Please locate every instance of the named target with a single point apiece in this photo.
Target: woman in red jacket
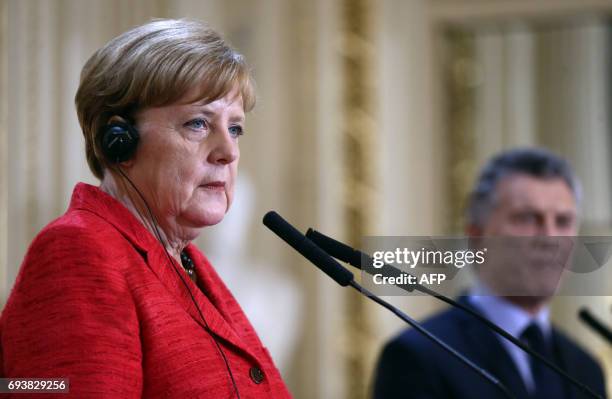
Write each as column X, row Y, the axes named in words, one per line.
column 112, row 295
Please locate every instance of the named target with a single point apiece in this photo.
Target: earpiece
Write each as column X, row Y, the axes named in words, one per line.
column 119, row 141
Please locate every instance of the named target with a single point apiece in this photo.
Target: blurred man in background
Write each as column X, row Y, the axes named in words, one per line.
column 528, row 193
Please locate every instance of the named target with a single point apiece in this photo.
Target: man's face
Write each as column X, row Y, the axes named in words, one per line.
column 528, row 206
column 526, row 234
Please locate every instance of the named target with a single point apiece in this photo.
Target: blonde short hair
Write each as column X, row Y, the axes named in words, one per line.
column 155, row 64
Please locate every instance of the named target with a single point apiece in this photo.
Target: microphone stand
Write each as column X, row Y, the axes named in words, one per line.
column 354, row 257
column 344, row 277
column 414, row 324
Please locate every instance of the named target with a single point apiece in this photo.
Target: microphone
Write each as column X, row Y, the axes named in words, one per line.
column 342, row 276
column 307, row 248
column 590, row 320
column 354, row 257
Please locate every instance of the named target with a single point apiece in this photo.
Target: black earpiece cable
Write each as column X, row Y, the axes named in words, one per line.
column 159, row 238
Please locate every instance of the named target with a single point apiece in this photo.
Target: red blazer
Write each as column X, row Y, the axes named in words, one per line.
column 97, row 301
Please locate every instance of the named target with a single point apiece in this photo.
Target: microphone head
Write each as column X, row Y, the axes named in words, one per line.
column 584, row 313
column 307, row 248
column 335, row 248
column 594, row 323
column 269, row 217
column 283, row 229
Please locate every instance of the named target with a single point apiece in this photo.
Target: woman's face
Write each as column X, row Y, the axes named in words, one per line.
column 187, row 159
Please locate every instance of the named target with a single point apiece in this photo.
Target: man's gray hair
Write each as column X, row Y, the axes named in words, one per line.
column 535, row 162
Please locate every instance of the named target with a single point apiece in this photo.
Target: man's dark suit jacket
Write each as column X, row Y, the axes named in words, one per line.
column 413, row 367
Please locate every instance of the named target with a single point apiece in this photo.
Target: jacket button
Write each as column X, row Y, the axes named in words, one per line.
column 256, row 375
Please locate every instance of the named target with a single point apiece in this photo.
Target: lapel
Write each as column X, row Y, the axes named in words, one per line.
column 564, row 359
column 489, row 352
column 182, row 288
column 92, row 199
column 223, row 302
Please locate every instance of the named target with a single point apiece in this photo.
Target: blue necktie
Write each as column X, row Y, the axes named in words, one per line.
column 548, row 385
